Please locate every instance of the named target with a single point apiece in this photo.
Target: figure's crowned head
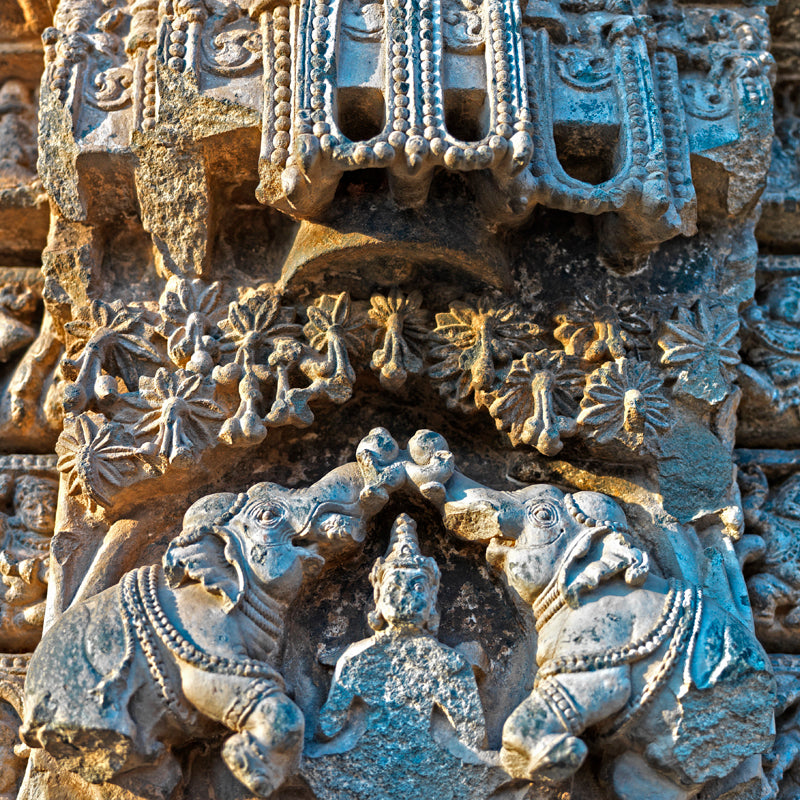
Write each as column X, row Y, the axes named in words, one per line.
column 35, row 499
column 405, row 583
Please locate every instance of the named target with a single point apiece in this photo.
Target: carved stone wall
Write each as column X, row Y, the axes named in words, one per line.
column 399, row 398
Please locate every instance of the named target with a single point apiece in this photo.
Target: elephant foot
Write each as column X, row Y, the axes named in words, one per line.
column 253, row 764
column 554, row 757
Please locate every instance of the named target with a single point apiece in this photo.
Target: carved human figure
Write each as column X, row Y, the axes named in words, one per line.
column 11, row 765
column 674, row 689
column 177, row 650
column 24, row 560
column 770, row 551
column 774, row 346
column 12, row 751
column 405, row 621
column 382, row 723
column 17, row 306
column 17, row 135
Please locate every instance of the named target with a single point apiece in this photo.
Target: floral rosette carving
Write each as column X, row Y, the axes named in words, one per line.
column 106, row 337
column 603, row 331
column 189, row 321
column 473, row 343
column 335, row 327
column 536, row 404
column 98, row 458
column 701, row 350
column 401, row 332
column 262, row 365
column 182, row 415
column 623, row 402
column 251, row 327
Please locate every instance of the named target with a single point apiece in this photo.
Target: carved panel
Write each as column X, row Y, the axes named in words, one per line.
column 520, row 236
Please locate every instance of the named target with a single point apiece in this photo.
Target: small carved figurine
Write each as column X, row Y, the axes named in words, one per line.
column 772, row 372
column 24, row 560
column 13, row 755
column 17, row 135
column 403, row 712
column 17, row 306
column 676, row 690
column 770, row 551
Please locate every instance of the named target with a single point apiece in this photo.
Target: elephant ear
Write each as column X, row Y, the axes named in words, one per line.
column 206, row 552
column 582, row 572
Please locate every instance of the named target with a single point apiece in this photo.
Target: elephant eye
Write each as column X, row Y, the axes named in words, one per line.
column 269, row 514
column 544, row 514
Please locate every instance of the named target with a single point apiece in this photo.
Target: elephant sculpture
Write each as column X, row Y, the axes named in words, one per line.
column 673, row 689
column 183, row 650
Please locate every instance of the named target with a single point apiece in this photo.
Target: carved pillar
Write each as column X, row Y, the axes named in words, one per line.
column 419, row 377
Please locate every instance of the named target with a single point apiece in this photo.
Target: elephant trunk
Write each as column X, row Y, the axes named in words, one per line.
column 475, row 513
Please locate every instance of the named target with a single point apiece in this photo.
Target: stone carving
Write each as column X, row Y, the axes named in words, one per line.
column 772, row 376
column 587, row 110
column 780, row 764
column 783, row 180
column 12, row 752
column 30, row 411
column 623, row 402
column 160, row 680
column 533, row 225
column 476, row 342
column 18, row 303
column 387, row 690
column 668, row 651
column 24, row 561
column 17, row 135
column 25, row 535
column 769, row 551
column 601, row 331
column 96, row 456
column 238, row 566
column 725, row 64
column 300, row 171
column 400, row 333
column 230, row 378
column 700, row 351
column 537, row 400
column 104, row 337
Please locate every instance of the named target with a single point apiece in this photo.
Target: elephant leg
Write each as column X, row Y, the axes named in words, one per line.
column 784, row 755
column 540, row 738
column 266, row 751
column 268, row 727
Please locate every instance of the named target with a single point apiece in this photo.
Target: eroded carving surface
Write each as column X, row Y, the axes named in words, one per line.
column 561, row 233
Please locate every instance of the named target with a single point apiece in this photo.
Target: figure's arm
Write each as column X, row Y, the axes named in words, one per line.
column 333, row 715
column 461, row 703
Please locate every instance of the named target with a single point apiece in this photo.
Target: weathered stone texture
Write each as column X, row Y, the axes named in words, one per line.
column 399, row 398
